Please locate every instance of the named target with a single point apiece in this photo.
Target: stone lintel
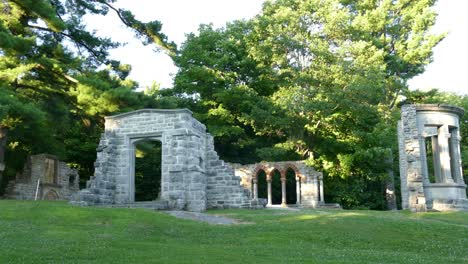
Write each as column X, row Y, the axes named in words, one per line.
column 446, row 185
column 148, row 110
column 440, row 108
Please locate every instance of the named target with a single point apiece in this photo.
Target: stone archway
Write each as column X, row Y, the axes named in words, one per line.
column 51, row 195
column 276, row 178
column 192, row 175
column 308, row 182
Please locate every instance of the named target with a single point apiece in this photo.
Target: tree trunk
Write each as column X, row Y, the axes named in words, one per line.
column 3, row 141
column 390, row 185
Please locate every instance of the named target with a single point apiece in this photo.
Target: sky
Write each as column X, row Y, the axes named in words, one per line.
column 447, row 72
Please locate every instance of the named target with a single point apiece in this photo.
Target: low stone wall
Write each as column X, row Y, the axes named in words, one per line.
column 57, row 181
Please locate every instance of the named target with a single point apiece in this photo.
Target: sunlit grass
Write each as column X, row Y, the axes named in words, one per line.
column 55, row 232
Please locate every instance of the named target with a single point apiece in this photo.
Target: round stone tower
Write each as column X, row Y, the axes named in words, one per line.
column 430, row 161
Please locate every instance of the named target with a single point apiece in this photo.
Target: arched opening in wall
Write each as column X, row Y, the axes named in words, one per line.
column 262, row 184
column 147, row 170
column 275, row 187
column 51, row 195
column 291, row 193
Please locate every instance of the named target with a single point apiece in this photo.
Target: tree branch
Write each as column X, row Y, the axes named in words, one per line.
column 79, row 43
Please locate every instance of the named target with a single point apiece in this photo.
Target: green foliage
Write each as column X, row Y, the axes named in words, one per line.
column 307, row 79
column 53, row 90
column 148, row 170
column 44, row 232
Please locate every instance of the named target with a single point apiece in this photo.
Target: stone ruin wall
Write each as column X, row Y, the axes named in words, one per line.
column 57, row 180
column 440, row 125
column 192, row 178
column 310, row 187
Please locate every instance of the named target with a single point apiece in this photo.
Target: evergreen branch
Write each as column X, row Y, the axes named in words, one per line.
column 79, row 43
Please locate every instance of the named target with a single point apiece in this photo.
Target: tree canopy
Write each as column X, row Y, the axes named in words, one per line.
column 305, row 79
column 316, row 80
column 53, row 89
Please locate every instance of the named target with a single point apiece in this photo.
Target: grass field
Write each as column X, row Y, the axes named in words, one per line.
column 55, row 232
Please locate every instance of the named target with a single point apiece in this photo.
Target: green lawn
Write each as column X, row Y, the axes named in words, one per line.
column 55, row 232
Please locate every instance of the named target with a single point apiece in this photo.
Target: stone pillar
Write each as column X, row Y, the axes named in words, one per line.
column 316, row 188
column 414, row 170
column 444, row 154
column 269, row 190
column 322, row 196
column 255, row 189
column 403, row 167
column 456, row 162
column 436, row 159
column 298, row 190
column 283, row 189
column 423, row 158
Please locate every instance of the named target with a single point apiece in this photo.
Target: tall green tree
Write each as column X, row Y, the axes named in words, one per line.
column 229, row 91
column 49, row 62
column 332, row 73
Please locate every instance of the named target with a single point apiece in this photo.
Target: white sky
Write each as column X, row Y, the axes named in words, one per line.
column 448, row 71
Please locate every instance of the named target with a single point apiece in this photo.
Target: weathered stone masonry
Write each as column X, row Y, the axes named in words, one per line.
column 46, row 177
column 192, row 178
column 438, row 124
column 309, row 182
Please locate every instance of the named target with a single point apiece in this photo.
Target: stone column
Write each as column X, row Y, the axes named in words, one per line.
column 414, row 167
column 423, row 157
column 456, row 157
column 255, row 189
column 322, row 199
column 269, row 189
column 444, row 154
column 436, row 158
column 316, row 187
column 283, row 189
column 403, row 166
column 298, row 190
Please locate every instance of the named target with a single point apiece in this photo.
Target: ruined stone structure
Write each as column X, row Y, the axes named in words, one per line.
column 308, row 183
column 436, row 183
column 44, row 177
column 192, row 178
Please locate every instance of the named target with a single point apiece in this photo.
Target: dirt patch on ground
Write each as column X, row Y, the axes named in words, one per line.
column 202, row 217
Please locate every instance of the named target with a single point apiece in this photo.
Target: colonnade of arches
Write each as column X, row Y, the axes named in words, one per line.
column 280, row 185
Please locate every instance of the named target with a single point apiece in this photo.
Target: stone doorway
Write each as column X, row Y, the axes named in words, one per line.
column 147, row 170
column 192, row 175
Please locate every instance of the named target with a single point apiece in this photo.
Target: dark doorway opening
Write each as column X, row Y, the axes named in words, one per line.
column 431, row 158
column 291, row 193
column 262, row 185
column 147, row 170
column 276, row 187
